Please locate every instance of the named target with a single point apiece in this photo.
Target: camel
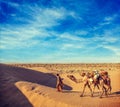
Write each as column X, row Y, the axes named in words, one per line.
column 101, row 80
column 87, row 82
column 105, row 83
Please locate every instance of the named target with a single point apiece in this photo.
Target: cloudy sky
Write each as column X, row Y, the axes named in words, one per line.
column 59, row 31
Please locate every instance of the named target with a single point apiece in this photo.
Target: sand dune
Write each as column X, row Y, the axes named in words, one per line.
column 35, row 87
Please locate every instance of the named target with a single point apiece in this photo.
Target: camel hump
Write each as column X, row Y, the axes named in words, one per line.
column 104, row 73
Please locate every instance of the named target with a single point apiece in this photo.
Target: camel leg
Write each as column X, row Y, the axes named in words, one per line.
column 109, row 90
column 103, row 90
column 102, row 93
column 110, row 86
column 98, row 88
column 90, row 90
column 83, row 90
column 106, row 94
column 96, row 84
column 93, row 89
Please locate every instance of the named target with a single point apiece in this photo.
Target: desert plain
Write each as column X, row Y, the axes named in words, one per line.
column 34, row 85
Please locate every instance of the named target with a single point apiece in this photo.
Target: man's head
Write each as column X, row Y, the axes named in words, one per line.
column 57, row 74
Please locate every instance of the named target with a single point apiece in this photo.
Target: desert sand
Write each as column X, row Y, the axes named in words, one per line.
column 33, row 85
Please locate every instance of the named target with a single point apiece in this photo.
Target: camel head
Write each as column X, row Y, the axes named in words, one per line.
column 83, row 74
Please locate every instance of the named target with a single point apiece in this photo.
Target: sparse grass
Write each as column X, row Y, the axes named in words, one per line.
column 70, row 68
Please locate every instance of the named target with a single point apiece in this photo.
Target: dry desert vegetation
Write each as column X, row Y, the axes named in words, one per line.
column 34, row 85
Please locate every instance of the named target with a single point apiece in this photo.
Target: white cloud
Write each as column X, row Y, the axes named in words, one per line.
column 11, row 42
column 114, row 49
column 108, row 36
column 75, row 15
column 69, row 36
column 22, row 36
column 71, row 46
column 38, row 21
column 47, row 17
column 108, row 20
column 18, row 37
column 104, row 39
column 13, row 4
column 81, row 32
column 73, row 41
column 37, row 26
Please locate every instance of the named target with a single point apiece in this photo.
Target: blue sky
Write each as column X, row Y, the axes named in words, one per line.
column 59, row 31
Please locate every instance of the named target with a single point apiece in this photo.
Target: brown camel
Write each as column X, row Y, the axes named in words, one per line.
column 105, row 83
column 87, row 82
column 99, row 80
column 86, row 79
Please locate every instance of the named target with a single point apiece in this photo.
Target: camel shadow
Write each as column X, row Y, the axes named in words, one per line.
column 117, row 92
column 113, row 94
column 66, row 91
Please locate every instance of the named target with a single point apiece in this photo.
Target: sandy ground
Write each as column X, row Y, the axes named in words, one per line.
column 35, row 87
